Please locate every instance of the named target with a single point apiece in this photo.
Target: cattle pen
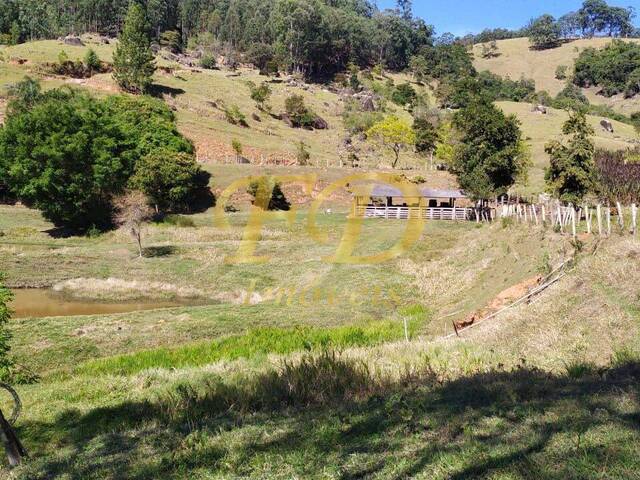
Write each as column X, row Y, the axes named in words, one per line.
column 381, row 201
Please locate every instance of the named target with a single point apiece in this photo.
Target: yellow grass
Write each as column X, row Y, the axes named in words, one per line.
column 517, row 59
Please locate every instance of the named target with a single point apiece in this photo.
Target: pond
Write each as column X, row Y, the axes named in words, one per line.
column 36, row 302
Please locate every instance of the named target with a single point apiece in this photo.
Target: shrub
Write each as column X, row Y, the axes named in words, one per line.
column 571, row 97
column 260, row 188
column 179, row 221
column 260, row 94
column 404, row 95
column 234, row 116
column 298, row 113
column 618, row 180
column 561, row 72
column 171, row 180
column 302, row 154
column 357, row 121
column 92, row 62
column 208, row 62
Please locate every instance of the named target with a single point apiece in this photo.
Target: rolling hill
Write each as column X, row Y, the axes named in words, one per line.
column 517, row 59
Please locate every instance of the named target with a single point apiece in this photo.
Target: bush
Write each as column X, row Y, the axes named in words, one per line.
column 171, row 180
column 618, row 180
column 234, row 116
column 404, row 95
column 261, row 187
column 561, row 72
column 357, row 121
column 298, row 113
column 172, row 40
column 571, row 97
column 208, row 62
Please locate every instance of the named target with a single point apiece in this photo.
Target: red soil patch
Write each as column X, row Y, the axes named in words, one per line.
column 504, row 298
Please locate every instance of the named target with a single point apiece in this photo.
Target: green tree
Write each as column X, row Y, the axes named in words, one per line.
column 570, row 175
column 490, row 155
column 544, row 32
column 260, row 94
column 260, row 189
column 15, row 34
column 302, row 154
column 92, row 62
column 133, row 60
column 68, row 154
column 172, row 180
column 64, row 156
column 394, row 134
column 298, row 112
column 237, row 148
column 426, row 136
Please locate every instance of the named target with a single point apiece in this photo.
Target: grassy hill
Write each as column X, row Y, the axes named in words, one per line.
column 539, row 129
column 199, row 97
column 518, row 59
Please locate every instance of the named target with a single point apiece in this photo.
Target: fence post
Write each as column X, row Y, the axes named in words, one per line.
column 588, row 218
column 573, row 222
column 620, row 215
column 608, row 221
column 599, row 214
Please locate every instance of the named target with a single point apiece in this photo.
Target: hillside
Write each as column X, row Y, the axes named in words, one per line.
column 539, row 129
column 518, row 59
column 199, row 97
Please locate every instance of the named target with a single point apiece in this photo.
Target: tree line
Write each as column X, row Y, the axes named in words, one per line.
column 314, row 37
column 595, row 17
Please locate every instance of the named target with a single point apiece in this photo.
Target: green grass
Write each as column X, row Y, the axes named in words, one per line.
column 255, row 343
column 330, row 417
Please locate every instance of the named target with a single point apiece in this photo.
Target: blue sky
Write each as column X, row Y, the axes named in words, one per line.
column 471, row 16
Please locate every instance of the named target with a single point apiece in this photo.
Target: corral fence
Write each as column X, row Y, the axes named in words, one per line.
column 599, row 219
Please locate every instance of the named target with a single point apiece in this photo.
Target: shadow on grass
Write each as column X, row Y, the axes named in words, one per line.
column 161, row 251
column 502, row 424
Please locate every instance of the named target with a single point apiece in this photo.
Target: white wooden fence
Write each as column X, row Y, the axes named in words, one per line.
column 433, row 213
column 597, row 220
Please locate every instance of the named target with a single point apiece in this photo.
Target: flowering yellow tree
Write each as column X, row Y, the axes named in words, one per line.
column 393, row 133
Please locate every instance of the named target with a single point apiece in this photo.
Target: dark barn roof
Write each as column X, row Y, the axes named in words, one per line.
column 387, row 191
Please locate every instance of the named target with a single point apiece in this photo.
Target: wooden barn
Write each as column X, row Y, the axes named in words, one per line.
column 382, row 201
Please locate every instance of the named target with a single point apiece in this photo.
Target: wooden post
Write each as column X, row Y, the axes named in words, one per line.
column 609, row 221
column 620, row 215
column 634, row 217
column 573, row 222
column 599, row 215
column 535, row 214
column 588, row 218
column 544, row 215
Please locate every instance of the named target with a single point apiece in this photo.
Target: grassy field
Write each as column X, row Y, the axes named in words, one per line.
column 299, row 368
column 538, row 130
column 517, row 59
column 230, row 390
